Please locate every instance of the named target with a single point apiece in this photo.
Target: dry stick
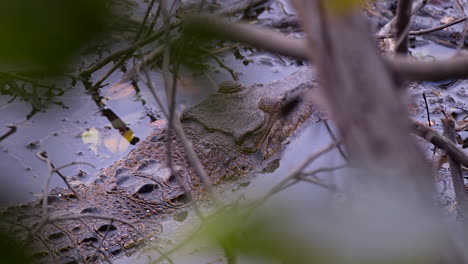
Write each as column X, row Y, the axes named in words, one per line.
column 98, row 65
column 332, row 135
column 429, row 30
column 295, row 173
column 257, row 36
column 456, row 172
column 417, row 5
column 121, row 61
column 102, row 240
column 222, row 65
column 402, row 25
column 440, row 141
column 324, row 169
column 145, row 19
column 12, row 128
column 427, row 110
column 43, row 156
column 310, row 176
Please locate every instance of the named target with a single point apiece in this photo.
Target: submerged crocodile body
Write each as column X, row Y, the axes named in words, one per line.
column 234, row 133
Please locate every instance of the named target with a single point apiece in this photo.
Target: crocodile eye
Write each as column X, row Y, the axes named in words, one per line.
column 172, row 179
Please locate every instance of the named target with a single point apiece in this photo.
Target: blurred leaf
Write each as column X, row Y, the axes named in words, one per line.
column 44, row 34
column 11, row 252
column 260, row 238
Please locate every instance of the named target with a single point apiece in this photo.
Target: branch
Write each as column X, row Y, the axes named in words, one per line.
column 414, row 70
column 414, row 9
column 402, row 25
column 259, row 37
column 273, row 41
column 440, row 141
column 456, row 172
column 429, row 30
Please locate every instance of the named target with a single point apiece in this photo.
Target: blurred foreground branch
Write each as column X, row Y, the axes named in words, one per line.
column 270, row 40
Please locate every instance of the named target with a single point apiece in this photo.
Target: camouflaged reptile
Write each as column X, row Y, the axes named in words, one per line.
column 235, row 132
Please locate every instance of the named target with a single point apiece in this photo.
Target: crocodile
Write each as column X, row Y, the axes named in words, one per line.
column 235, row 133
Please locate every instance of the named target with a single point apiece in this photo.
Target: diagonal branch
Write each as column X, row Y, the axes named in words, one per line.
column 440, row 141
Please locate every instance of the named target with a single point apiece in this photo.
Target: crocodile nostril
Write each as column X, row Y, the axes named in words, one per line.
column 106, row 227
column 147, row 188
column 182, row 198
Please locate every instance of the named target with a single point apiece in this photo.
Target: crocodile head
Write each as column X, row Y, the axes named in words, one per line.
column 240, row 126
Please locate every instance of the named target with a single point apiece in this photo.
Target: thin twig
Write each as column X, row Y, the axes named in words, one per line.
column 44, row 215
column 98, row 65
column 332, row 135
column 427, row 110
column 324, row 169
column 102, row 240
column 295, row 173
column 428, row 30
column 222, row 65
column 145, row 19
